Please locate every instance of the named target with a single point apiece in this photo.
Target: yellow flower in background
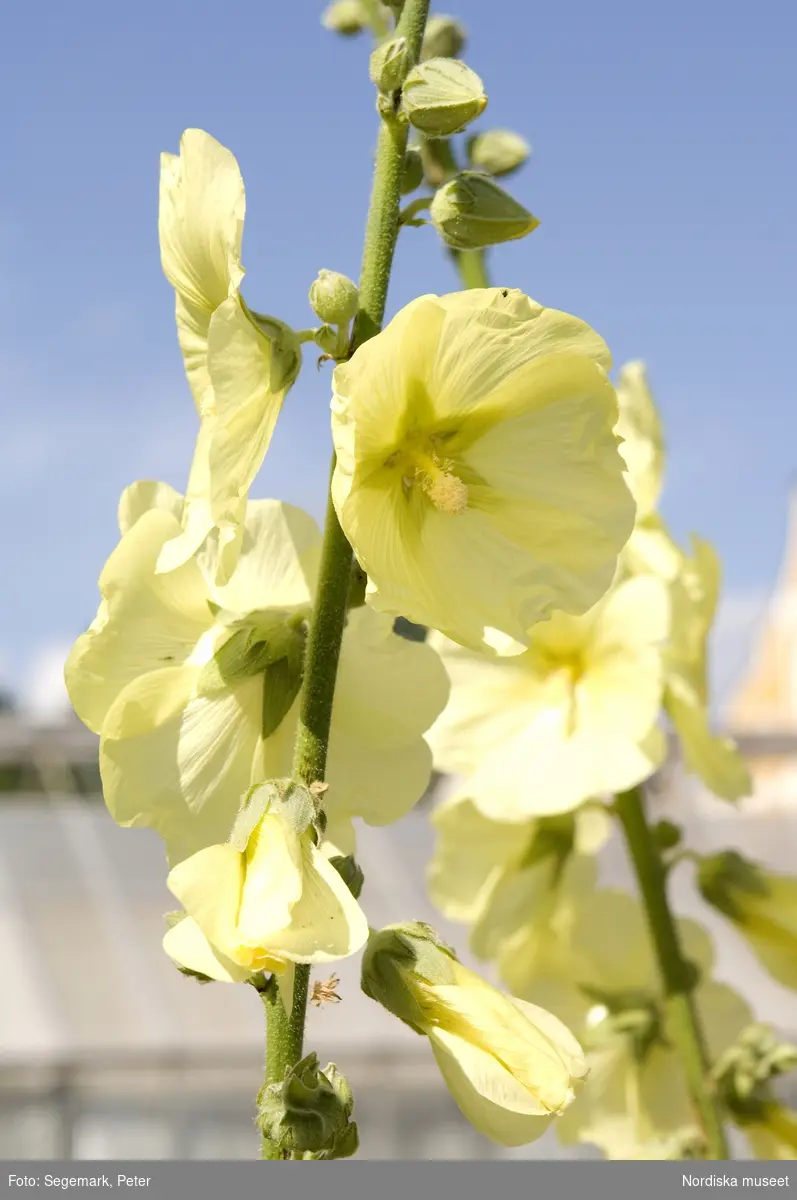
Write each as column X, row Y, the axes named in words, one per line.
column 642, row 445
column 510, row 1066
column 261, row 905
column 478, row 478
column 760, row 904
column 194, row 688
column 239, row 365
column 493, row 874
column 605, row 985
column 571, row 718
column 773, row 1136
column 694, row 599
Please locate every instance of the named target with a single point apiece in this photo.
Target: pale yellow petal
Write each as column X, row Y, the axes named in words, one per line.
column 715, row 759
column 486, row 1094
column 187, row 945
column 144, row 623
column 326, row 922
column 471, row 853
column 209, row 886
column 143, row 495
column 279, row 557
column 643, row 441
column 273, row 882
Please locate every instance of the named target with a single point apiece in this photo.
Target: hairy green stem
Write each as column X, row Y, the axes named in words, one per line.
column 285, row 1040
column 677, row 974
column 286, row 1036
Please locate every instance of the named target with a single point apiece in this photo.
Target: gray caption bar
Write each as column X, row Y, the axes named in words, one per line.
column 395, row 1180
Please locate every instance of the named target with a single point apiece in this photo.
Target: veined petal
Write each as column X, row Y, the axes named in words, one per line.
column 490, row 702
column 273, row 882
column 178, row 761
column 247, row 403
column 326, row 923
column 386, row 371
column 279, row 560
column 489, row 336
column 216, row 548
column 145, row 621
column 209, row 885
column 485, row 1092
column 200, row 220
column 187, row 945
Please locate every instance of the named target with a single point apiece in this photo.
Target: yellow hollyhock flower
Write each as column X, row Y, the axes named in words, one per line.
column 239, row 365
column 605, row 985
column 478, row 477
column 261, row 905
column 761, row 905
column 193, row 688
column 571, row 718
column 490, row 874
column 510, row 1066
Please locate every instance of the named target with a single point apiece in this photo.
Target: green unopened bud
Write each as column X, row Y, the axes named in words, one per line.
column 347, row 17
column 412, row 175
column 334, row 297
column 400, row 956
column 471, row 211
column 444, row 37
column 350, row 873
column 440, row 97
column 388, row 65
column 498, row 151
column 308, row 1114
column 327, row 339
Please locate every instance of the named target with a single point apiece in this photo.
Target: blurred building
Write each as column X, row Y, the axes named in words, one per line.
column 107, row 1051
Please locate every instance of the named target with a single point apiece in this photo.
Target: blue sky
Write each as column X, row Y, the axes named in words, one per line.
column 663, row 175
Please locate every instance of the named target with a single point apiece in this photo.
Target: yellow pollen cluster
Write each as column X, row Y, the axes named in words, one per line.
column 446, row 490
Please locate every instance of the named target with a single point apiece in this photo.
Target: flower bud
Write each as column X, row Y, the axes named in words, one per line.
column 761, row 905
column 350, row 873
column 307, row 1115
column 333, row 297
column 471, row 211
column 388, row 65
column 441, row 96
column 412, row 176
column 444, row 37
column 328, row 340
column 510, row 1066
column 498, row 151
column 346, row 17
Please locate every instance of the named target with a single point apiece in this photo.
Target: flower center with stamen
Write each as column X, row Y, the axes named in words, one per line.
column 436, row 478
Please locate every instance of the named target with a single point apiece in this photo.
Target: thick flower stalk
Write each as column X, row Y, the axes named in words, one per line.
column 477, row 476
column 239, row 364
column 510, row 1066
column 194, row 688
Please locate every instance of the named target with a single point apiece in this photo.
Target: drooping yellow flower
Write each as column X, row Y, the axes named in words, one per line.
column 194, row 688
column 239, row 365
column 510, row 1066
column 478, row 477
column 571, row 718
column 272, row 900
column 605, row 985
column 761, row 905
